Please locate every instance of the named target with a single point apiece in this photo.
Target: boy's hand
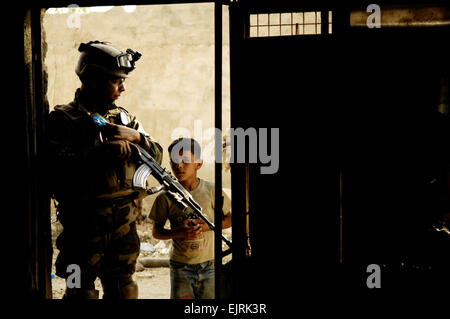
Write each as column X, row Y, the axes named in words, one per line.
column 202, row 224
column 191, row 230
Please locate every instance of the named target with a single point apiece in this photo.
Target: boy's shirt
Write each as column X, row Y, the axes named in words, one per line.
column 190, row 251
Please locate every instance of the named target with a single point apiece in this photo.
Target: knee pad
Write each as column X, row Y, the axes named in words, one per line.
column 130, row 291
column 80, row 294
column 114, row 288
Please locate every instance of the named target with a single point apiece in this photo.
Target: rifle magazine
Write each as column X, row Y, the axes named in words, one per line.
column 140, row 176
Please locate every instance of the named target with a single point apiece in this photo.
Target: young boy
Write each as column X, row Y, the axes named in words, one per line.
column 192, row 255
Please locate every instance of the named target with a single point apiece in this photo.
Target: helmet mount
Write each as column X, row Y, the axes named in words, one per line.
column 103, row 57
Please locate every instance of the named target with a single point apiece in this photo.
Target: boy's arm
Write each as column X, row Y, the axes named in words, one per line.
column 226, row 223
column 159, row 232
column 185, row 232
column 226, row 220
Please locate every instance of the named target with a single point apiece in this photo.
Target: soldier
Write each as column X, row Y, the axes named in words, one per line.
column 92, row 176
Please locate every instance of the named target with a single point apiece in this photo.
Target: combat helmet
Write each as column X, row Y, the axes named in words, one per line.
column 99, row 57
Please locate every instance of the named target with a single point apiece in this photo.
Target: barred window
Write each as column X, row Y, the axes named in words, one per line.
column 287, row 24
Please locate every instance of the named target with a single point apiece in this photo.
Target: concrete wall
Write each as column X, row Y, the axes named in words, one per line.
column 173, row 84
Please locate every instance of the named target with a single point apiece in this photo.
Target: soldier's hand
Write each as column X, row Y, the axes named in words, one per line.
column 122, row 132
column 122, row 149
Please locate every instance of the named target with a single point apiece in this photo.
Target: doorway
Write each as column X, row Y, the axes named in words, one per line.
column 171, row 92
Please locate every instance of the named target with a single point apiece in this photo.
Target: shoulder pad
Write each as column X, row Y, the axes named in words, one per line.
column 70, row 110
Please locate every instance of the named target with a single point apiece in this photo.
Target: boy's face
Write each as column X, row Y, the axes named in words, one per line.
column 184, row 166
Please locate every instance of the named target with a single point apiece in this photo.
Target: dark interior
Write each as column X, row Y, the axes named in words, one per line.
column 358, row 120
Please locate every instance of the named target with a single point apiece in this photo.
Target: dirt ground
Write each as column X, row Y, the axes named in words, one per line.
column 154, row 283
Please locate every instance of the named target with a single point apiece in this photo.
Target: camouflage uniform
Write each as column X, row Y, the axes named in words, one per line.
column 96, row 202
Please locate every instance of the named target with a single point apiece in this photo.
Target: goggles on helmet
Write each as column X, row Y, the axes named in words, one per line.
column 126, row 60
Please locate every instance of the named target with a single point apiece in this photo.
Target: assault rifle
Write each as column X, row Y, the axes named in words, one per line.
column 147, row 166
